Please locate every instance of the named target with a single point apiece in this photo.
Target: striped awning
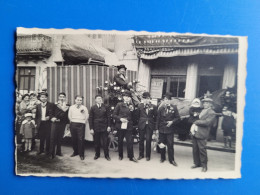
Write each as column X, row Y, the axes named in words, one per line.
column 154, row 46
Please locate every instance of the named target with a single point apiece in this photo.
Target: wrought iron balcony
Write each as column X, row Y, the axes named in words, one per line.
column 36, row 45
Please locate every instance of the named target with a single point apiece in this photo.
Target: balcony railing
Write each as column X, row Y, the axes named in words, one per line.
column 34, row 45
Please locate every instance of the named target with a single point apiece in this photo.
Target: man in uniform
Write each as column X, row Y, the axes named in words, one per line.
column 99, row 123
column 123, row 115
column 200, row 134
column 167, row 117
column 146, row 116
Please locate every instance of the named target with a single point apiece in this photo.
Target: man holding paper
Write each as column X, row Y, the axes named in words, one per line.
column 123, row 115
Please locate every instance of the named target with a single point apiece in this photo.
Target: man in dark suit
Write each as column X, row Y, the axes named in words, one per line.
column 44, row 112
column 146, row 116
column 167, row 117
column 200, row 131
column 121, row 79
column 99, row 123
column 123, row 115
column 59, row 121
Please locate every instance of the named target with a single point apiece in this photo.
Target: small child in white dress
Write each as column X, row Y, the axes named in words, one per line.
column 28, row 131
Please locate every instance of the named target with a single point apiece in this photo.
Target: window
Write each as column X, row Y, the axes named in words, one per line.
column 174, row 84
column 177, row 86
column 26, row 79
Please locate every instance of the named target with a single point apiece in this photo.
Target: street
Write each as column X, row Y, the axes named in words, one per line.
column 31, row 163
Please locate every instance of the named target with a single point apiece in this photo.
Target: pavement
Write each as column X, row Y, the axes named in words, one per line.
column 220, row 163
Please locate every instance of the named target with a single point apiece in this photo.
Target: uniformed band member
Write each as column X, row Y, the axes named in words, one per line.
column 43, row 125
column 146, row 116
column 124, row 125
column 59, row 121
column 100, row 125
column 78, row 115
column 201, row 133
column 167, row 117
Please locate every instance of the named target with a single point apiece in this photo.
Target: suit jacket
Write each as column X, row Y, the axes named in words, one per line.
column 121, row 82
column 143, row 117
column 38, row 116
column 163, row 117
column 204, row 123
column 122, row 111
column 99, row 118
column 60, row 114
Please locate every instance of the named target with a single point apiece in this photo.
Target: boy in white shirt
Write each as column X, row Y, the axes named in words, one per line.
column 78, row 116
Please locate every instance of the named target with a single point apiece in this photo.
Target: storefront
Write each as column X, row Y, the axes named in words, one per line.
column 187, row 66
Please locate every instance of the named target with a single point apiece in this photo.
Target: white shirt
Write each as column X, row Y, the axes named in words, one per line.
column 78, row 115
column 43, row 107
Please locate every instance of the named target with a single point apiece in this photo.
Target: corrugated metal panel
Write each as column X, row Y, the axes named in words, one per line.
column 81, row 80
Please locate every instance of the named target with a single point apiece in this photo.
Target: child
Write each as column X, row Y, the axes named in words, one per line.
column 28, row 131
column 194, row 111
column 228, row 126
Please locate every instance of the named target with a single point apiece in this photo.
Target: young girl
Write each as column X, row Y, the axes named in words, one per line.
column 28, row 131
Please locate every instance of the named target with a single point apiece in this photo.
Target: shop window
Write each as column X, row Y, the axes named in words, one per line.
column 174, row 84
column 26, row 79
column 177, row 86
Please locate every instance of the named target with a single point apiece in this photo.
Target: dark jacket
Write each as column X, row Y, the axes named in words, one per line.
column 121, row 82
column 163, row 118
column 38, row 115
column 99, row 118
column 60, row 114
column 122, row 111
column 204, row 123
column 143, row 117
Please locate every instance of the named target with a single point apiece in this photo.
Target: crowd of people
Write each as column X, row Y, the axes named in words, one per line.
column 46, row 121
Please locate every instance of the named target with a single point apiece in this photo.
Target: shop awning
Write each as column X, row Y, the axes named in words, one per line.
column 154, row 46
column 80, row 49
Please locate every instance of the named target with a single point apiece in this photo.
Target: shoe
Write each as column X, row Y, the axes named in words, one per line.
column 195, row 166
column 82, row 158
column 162, row 160
column 204, row 169
column 59, row 154
column 147, row 158
column 120, row 158
column 174, row 163
column 51, row 157
column 133, row 159
column 108, row 158
column 96, row 157
column 140, row 157
column 73, row 155
column 39, row 153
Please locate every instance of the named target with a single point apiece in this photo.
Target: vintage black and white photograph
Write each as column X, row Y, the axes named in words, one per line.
column 127, row 104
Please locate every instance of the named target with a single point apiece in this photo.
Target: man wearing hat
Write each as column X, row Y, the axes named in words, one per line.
column 123, row 115
column 199, row 139
column 121, row 79
column 167, row 117
column 43, row 114
column 146, row 116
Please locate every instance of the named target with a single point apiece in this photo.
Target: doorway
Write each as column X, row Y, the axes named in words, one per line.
column 209, row 83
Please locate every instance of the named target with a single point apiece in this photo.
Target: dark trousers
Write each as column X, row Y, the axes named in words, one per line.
column 77, row 131
column 57, row 133
column 129, row 142
column 167, row 139
column 44, row 135
column 199, row 152
column 98, row 138
column 145, row 134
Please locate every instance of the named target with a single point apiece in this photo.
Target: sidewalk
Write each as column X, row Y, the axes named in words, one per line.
column 211, row 145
